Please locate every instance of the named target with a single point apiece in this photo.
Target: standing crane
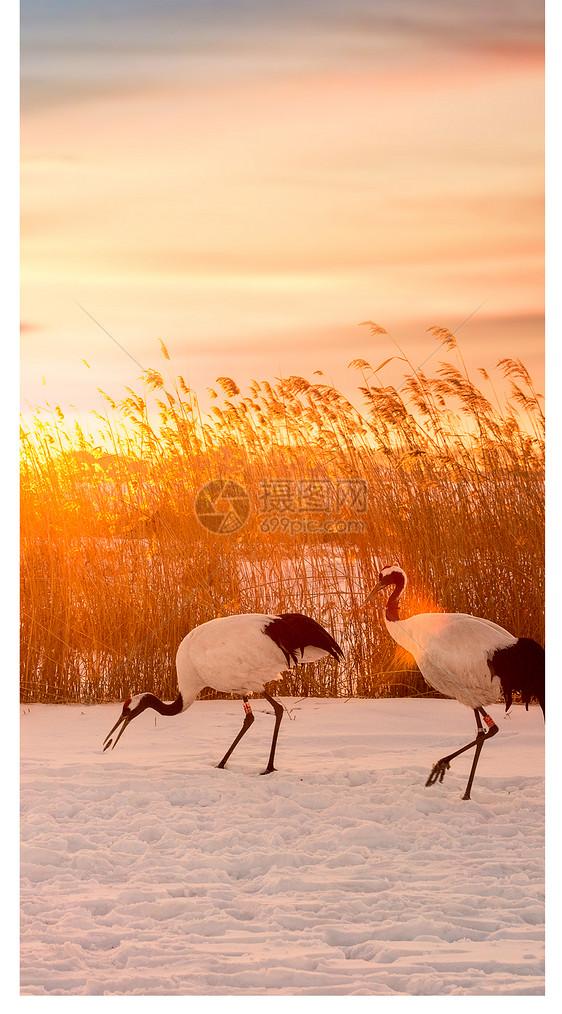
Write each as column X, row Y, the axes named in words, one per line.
column 466, row 657
column 239, row 655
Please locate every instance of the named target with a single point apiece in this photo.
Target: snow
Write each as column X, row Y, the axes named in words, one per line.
column 147, row 871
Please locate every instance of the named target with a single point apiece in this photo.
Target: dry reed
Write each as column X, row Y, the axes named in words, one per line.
column 116, row 568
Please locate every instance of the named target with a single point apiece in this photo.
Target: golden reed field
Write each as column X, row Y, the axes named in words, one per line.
column 284, row 498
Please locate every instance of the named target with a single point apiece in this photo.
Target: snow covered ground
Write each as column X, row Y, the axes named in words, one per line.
column 146, row 871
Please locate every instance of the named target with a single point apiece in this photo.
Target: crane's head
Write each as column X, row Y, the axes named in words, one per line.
column 132, row 707
column 389, row 576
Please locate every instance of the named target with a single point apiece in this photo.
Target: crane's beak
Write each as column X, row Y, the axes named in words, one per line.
column 371, row 595
column 125, row 719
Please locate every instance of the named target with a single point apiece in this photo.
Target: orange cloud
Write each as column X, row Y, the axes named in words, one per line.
column 230, row 211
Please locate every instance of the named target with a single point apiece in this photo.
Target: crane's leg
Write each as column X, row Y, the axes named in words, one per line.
column 278, row 716
column 248, row 719
column 480, row 737
column 439, row 769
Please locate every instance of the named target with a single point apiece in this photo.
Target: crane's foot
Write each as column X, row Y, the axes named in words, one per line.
column 438, row 770
column 268, row 771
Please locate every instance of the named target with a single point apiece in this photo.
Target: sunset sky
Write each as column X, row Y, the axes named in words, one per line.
column 249, row 179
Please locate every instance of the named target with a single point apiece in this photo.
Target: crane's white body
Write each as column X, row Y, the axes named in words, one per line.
column 466, row 657
column 452, row 652
column 239, row 655
column 234, row 655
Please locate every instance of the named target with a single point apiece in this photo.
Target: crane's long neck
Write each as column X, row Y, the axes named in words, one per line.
column 174, row 708
column 392, row 605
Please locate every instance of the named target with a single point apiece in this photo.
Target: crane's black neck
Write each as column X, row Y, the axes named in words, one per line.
column 150, row 701
column 392, row 605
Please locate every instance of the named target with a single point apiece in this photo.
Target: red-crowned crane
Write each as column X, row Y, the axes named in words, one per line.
column 465, row 657
column 239, row 655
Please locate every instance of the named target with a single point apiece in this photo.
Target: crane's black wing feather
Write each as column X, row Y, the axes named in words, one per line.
column 293, row 632
column 521, row 667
